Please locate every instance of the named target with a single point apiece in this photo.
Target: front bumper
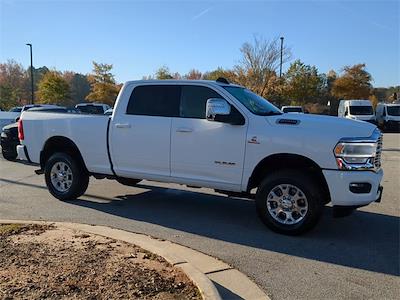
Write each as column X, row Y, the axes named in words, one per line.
column 339, row 187
column 392, row 125
column 22, row 153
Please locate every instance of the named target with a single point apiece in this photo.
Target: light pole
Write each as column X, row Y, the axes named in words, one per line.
column 33, row 93
column 280, row 67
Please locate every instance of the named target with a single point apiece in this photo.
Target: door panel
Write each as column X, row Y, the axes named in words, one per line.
column 141, row 137
column 141, row 144
column 207, row 151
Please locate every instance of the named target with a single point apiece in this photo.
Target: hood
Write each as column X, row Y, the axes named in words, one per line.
column 329, row 125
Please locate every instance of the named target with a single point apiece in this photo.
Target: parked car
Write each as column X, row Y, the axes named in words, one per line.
column 9, row 134
column 388, row 116
column 292, row 109
column 92, row 108
column 16, row 109
column 108, row 112
column 12, row 116
column 217, row 135
column 357, row 110
column 9, row 141
column 7, row 117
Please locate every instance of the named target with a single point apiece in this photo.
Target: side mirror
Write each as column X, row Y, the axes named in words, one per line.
column 217, row 107
column 16, row 119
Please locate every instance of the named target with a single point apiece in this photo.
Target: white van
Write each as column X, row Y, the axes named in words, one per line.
column 357, row 110
column 388, row 115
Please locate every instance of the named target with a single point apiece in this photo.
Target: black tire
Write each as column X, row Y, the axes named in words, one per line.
column 307, row 185
column 9, row 155
column 80, row 178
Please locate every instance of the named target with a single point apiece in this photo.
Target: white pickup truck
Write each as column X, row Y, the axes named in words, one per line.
column 217, row 135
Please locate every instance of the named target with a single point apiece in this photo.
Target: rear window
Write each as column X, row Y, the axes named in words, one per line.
column 361, row 110
column 91, row 109
column 155, row 100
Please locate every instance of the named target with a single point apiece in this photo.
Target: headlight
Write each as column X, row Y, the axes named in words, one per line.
column 355, row 156
column 3, row 134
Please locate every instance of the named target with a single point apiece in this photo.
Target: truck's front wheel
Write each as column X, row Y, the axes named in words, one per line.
column 65, row 177
column 289, row 202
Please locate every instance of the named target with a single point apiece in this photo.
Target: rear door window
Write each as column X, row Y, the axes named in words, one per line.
column 155, row 100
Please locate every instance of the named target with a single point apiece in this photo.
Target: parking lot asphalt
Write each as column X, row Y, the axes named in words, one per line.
column 355, row 257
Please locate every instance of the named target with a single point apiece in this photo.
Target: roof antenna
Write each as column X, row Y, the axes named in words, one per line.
column 222, row 80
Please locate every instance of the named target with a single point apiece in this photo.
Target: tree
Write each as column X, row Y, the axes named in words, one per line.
column 388, row 94
column 220, row 72
column 79, row 86
column 354, row 83
column 103, row 87
column 193, row 74
column 53, row 89
column 163, row 73
column 304, row 84
column 38, row 74
column 260, row 61
column 374, row 100
column 14, row 84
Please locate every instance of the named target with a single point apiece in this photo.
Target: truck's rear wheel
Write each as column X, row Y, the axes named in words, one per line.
column 289, row 202
column 65, row 177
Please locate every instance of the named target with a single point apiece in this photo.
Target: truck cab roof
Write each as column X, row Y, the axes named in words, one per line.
column 182, row 81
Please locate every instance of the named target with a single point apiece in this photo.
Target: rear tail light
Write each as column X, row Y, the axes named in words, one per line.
column 20, row 130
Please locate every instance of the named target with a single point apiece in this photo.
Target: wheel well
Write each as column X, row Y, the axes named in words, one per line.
column 60, row 144
column 276, row 162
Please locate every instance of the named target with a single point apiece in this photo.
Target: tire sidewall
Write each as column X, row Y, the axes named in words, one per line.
column 77, row 174
column 9, row 155
column 306, row 185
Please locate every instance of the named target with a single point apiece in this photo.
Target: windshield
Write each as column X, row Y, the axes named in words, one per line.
column 393, row 110
column 254, row 103
column 361, row 110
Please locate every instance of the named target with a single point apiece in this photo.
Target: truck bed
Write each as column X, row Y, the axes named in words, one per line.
column 88, row 132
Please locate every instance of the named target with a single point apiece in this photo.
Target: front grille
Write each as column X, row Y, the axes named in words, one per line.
column 377, row 160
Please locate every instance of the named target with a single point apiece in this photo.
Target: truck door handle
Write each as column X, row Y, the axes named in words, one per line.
column 123, row 125
column 183, row 129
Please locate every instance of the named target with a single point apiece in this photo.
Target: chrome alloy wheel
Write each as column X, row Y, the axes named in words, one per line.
column 61, row 176
column 287, row 204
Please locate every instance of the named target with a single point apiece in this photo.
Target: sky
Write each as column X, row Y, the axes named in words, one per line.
column 138, row 37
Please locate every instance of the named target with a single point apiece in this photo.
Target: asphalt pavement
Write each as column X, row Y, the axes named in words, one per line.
column 355, row 257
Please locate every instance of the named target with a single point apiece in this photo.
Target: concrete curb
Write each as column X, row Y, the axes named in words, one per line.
column 205, row 271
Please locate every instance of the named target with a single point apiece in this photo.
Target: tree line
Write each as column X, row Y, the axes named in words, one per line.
column 257, row 70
